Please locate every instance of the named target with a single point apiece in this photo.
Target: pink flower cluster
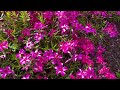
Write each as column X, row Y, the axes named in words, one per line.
column 111, row 29
column 3, row 45
column 57, row 44
column 4, row 72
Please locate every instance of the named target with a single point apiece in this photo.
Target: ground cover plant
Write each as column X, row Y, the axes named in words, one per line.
column 59, row 44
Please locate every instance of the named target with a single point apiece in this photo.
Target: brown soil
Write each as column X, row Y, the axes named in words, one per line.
column 112, row 53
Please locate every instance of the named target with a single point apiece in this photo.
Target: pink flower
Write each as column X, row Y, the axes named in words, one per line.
column 33, row 17
column 100, row 60
column 35, row 53
column 60, row 14
column 26, row 67
column 38, row 25
column 38, row 37
column 29, row 45
column 2, row 56
column 61, row 70
column 26, row 32
column 38, row 67
column 79, row 56
column 27, row 76
column 86, row 60
column 66, row 46
column 111, row 29
column 8, row 32
column 72, row 76
column 75, row 57
column 3, row 45
column 20, row 38
column 110, row 76
column 52, row 32
column 76, row 25
column 39, row 77
column 88, row 29
column 20, row 54
column 118, row 13
column 86, row 74
column 87, row 45
column 45, row 77
column 90, row 73
column 56, row 58
column 104, row 70
column 22, row 51
column 25, row 59
column 100, row 50
column 80, row 74
column 48, row 54
column 5, row 71
column 64, row 28
column 48, row 16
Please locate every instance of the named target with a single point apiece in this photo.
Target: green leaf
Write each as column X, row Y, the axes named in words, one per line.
column 67, row 77
column 24, row 16
column 41, row 18
column 13, row 57
column 14, row 46
column 118, row 74
column 8, row 14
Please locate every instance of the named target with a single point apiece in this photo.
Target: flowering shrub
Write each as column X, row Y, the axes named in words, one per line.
column 56, row 44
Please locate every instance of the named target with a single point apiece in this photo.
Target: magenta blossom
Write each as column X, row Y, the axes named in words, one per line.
column 38, row 25
column 48, row 54
column 80, row 74
column 45, row 77
column 104, row 70
column 86, row 74
column 48, row 16
column 2, row 56
column 100, row 50
column 26, row 67
column 25, row 59
column 64, row 28
column 38, row 67
column 56, row 59
column 88, row 29
column 75, row 57
column 35, row 53
column 27, row 76
column 118, row 13
column 8, row 32
column 110, row 76
column 38, row 37
column 33, row 17
column 20, row 54
column 86, row 60
column 5, row 71
column 20, row 38
column 72, row 76
column 52, row 32
column 66, row 46
column 86, row 45
column 60, row 70
column 29, row 45
column 60, row 14
column 100, row 60
column 3, row 45
column 111, row 29
column 26, row 32
column 90, row 73
column 76, row 25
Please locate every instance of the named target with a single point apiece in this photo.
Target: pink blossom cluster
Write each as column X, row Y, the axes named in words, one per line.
column 59, row 44
column 3, row 45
